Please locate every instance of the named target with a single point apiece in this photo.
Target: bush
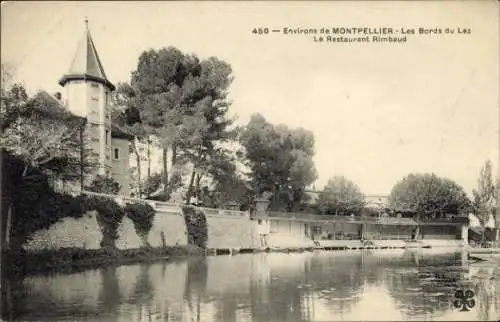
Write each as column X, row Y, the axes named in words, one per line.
column 103, row 184
column 196, row 224
column 142, row 215
column 109, row 217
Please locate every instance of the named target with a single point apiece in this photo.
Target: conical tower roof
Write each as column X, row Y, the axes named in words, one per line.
column 86, row 64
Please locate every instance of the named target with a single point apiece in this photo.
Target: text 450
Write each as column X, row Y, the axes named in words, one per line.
column 260, row 31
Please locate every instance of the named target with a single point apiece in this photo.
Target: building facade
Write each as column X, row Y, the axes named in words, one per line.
column 88, row 95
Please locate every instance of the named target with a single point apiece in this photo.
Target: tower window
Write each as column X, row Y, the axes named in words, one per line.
column 107, row 135
column 117, row 154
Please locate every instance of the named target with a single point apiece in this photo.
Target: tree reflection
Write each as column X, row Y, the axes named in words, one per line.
column 266, row 287
column 12, row 298
column 109, row 295
column 340, row 277
column 428, row 289
column 486, row 288
column 196, row 286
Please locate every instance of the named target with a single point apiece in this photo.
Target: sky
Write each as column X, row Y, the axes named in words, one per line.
column 378, row 110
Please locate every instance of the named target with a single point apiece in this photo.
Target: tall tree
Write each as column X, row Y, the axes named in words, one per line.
column 126, row 117
column 428, row 195
column 280, row 160
column 182, row 101
column 341, row 197
column 484, row 195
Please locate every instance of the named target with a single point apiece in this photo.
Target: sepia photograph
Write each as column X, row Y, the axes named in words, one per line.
column 250, row 161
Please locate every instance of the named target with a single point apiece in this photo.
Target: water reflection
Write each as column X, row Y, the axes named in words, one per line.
column 319, row 286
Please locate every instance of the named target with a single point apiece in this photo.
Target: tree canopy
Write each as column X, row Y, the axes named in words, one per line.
column 428, row 195
column 484, row 195
column 341, row 197
column 280, row 159
column 182, row 102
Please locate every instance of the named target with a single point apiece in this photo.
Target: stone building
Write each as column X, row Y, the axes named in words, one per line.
column 87, row 94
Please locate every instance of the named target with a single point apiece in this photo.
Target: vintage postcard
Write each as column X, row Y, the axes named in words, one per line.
column 252, row 161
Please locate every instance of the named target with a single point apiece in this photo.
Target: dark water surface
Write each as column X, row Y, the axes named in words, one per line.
column 318, row 286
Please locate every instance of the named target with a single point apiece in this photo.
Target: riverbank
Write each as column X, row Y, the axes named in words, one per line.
column 68, row 260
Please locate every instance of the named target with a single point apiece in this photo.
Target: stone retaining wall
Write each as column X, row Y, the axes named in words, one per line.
column 169, row 229
column 231, row 230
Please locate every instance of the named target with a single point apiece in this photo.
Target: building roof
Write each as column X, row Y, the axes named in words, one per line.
column 86, row 64
column 117, row 133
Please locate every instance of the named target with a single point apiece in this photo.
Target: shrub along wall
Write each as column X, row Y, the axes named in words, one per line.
column 196, row 225
column 105, row 212
column 140, row 226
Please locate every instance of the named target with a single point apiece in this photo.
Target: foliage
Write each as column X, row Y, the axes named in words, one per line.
column 428, row 195
column 69, row 260
column 36, row 206
column 152, row 184
column 196, row 224
column 44, row 135
column 228, row 184
column 341, row 197
column 484, row 196
column 109, row 217
column 281, row 160
column 104, row 184
column 142, row 215
column 182, row 102
column 126, row 117
column 33, row 203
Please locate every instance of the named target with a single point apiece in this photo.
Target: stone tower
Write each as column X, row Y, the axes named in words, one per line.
column 88, row 95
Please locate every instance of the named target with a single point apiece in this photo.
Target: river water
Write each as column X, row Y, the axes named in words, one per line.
column 313, row 286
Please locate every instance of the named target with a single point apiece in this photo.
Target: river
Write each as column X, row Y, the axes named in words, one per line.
column 312, row 286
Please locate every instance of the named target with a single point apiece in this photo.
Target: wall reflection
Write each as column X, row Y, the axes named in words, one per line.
column 264, row 287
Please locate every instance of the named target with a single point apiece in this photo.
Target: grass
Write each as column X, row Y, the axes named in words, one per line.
column 68, row 260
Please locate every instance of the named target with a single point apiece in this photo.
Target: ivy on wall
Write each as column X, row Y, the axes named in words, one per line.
column 196, row 225
column 142, row 215
column 109, row 217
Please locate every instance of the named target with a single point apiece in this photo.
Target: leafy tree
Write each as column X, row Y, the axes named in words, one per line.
column 181, row 101
column 104, row 184
column 484, row 196
column 29, row 203
column 341, row 197
column 428, row 195
column 8, row 72
column 280, row 160
column 46, row 141
column 228, row 187
column 47, row 137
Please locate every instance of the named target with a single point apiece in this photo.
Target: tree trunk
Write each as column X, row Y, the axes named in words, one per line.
column 149, row 157
column 7, row 239
column 138, row 161
column 173, row 172
column 190, row 187
column 6, row 223
column 174, row 154
column 144, row 240
column 165, row 174
column 198, row 182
